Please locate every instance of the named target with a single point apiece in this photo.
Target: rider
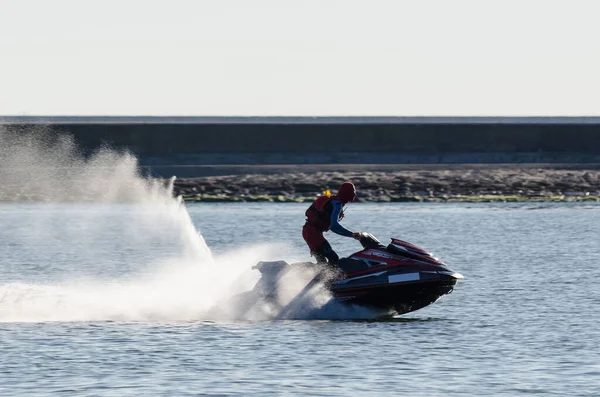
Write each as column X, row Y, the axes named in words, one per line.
column 324, row 214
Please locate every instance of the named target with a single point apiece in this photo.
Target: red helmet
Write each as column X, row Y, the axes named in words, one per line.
column 347, row 192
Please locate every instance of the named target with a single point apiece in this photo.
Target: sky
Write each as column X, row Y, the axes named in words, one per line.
column 300, row 58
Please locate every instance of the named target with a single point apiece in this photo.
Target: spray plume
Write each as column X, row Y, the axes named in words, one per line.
column 40, row 166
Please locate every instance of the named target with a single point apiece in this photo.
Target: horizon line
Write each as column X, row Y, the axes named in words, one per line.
column 299, row 119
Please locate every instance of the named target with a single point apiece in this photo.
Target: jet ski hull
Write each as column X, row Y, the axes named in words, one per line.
column 399, row 297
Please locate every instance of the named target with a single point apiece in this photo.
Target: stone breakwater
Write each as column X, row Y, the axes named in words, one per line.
column 476, row 185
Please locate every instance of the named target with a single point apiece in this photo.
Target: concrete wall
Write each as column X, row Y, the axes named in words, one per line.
column 276, row 143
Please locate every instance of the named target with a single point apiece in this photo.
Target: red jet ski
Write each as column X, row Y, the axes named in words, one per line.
column 399, row 278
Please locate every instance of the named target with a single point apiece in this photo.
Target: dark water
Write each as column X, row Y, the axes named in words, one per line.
column 110, row 300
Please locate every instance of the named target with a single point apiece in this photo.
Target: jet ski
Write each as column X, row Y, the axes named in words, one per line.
column 397, row 278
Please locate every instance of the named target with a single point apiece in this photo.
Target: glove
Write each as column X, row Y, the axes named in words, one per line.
column 357, row 235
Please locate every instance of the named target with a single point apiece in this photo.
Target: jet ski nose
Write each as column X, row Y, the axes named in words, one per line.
column 451, row 273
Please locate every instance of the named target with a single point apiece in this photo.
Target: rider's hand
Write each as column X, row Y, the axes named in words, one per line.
column 357, row 235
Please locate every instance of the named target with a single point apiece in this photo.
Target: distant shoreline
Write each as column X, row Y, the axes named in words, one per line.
column 375, row 183
column 510, row 184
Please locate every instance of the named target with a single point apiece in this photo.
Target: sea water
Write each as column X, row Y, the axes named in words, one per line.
column 115, row 308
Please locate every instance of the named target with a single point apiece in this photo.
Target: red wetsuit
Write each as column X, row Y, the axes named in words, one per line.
column 324, row 215
column 318, row 221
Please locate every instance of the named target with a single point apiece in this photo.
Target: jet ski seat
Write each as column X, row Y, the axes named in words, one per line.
column 349, row 265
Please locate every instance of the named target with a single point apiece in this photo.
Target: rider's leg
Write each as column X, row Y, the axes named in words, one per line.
column 325, row 254
column 319, row 246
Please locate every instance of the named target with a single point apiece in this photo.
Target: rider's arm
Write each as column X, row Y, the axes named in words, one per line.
column 335, row 224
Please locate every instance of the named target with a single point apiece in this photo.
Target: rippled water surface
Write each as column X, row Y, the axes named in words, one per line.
column 115, row 299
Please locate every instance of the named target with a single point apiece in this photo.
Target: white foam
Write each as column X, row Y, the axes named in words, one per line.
column 176, row 291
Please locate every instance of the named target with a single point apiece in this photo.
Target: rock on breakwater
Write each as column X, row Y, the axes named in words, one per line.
column 501, row 184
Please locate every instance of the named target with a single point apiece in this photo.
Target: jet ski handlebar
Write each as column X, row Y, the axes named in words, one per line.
column 367, row 240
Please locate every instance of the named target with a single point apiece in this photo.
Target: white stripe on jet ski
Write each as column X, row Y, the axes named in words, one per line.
column 395, row 278
column 344, row 281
